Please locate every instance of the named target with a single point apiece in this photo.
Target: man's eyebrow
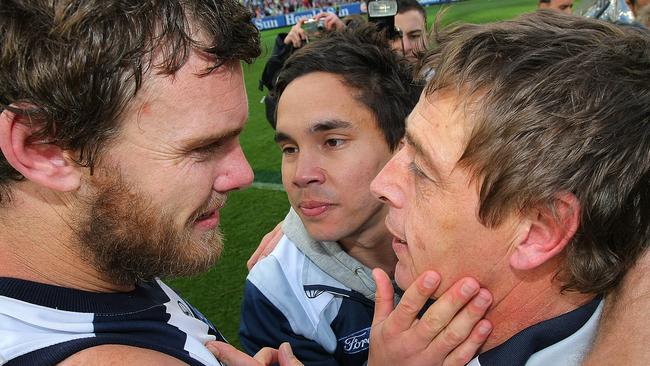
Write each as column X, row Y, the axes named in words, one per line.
column 424, row 156
column 282, row 137
column 411, row 140
column 211, row 139
column 327, row 125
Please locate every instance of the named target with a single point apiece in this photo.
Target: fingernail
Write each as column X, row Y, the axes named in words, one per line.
column 430, row 280
column 485, row 328
column 482, row 299
column 213, row 349
column 468, row 288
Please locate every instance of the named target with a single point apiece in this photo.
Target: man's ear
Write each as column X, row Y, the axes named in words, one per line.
column 548, row 232
column 41, row 162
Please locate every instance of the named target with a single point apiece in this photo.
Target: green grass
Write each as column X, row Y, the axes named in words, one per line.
column 253, row 212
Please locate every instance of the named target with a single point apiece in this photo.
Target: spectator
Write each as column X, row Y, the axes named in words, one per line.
column 564, row 6
column 411, row 21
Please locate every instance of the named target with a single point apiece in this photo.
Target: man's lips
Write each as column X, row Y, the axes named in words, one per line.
column 314, row 208
column 398, row 242
column 208, row 220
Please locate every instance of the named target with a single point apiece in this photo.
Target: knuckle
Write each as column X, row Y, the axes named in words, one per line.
column 434, row 322
column 409, row 307
column 452, row 337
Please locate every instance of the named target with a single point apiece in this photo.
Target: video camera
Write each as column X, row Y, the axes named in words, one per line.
column 382, row 12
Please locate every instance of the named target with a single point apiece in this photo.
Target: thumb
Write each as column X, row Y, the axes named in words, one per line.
column 228, row 354
column 286, row 356
column 384, row 298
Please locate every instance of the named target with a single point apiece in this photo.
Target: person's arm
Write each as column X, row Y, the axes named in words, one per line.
column 623, row 336
column 113, row 354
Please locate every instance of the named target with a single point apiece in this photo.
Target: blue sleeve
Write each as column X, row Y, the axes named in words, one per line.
column 263, row 325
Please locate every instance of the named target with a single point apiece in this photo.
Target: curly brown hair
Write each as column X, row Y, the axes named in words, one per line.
column 72, row 66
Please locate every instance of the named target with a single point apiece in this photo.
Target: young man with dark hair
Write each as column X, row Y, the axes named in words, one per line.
column 525, row 166
column 341, row 106
column 119, row 137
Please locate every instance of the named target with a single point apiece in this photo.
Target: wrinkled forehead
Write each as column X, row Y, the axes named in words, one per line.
column 440, row 124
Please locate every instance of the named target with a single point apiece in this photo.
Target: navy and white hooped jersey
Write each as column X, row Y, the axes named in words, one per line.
column 287, row 298
column 559, row 341
column 43, row 324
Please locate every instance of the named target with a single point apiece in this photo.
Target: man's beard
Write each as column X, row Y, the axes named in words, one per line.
column 129, row 239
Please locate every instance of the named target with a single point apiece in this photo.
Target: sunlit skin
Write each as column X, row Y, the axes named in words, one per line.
column 332, row 148
column 434, row 204
column 564, row 6
column 414, row 33
column 180, row 147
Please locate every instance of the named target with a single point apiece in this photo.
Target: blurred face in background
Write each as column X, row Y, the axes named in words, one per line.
column 414, row 33
column 636, row 5
column 564, row 6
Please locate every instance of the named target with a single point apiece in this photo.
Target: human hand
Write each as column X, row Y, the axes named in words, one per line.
column 449, row 333
column 231, row 356
column 296, row 35
column 268, row 243
column 332, row 22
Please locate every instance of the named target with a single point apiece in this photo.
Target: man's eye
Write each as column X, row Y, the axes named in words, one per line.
column 413, row 168
column 334, row 142
column 204, row 152
column 287, row 150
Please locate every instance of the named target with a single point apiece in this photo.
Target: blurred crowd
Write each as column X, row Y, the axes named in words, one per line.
column 265, row 8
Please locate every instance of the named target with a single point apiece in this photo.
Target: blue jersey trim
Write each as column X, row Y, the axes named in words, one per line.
column 143, row 296
column 518, row 349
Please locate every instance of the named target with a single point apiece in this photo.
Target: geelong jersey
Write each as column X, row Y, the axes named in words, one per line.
column 287, row 298
column 43, row 324
column 559, row 341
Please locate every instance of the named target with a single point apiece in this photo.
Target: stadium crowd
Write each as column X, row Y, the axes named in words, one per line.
column 265, row 8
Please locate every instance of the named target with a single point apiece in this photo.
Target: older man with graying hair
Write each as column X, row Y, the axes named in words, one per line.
column 526, row 165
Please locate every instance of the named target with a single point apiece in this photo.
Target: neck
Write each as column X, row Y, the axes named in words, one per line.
column 372, row 246
column 529, row 300
column 37, row 244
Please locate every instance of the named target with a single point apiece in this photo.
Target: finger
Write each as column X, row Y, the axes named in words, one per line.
column 330, row 23
column 286, row 356
column 441, row 312
column 462, row 324
column 468, row 349
column 230, row 355
column 267, row 356
column 384, row 297
column 412, row 302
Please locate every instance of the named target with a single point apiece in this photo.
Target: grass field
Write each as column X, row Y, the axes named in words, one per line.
column 251, row 213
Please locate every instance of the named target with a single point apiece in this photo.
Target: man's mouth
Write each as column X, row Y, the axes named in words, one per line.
column 206, row 215
column 313, row 208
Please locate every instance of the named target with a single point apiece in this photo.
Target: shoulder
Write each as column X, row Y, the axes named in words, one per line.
column 120, row 355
